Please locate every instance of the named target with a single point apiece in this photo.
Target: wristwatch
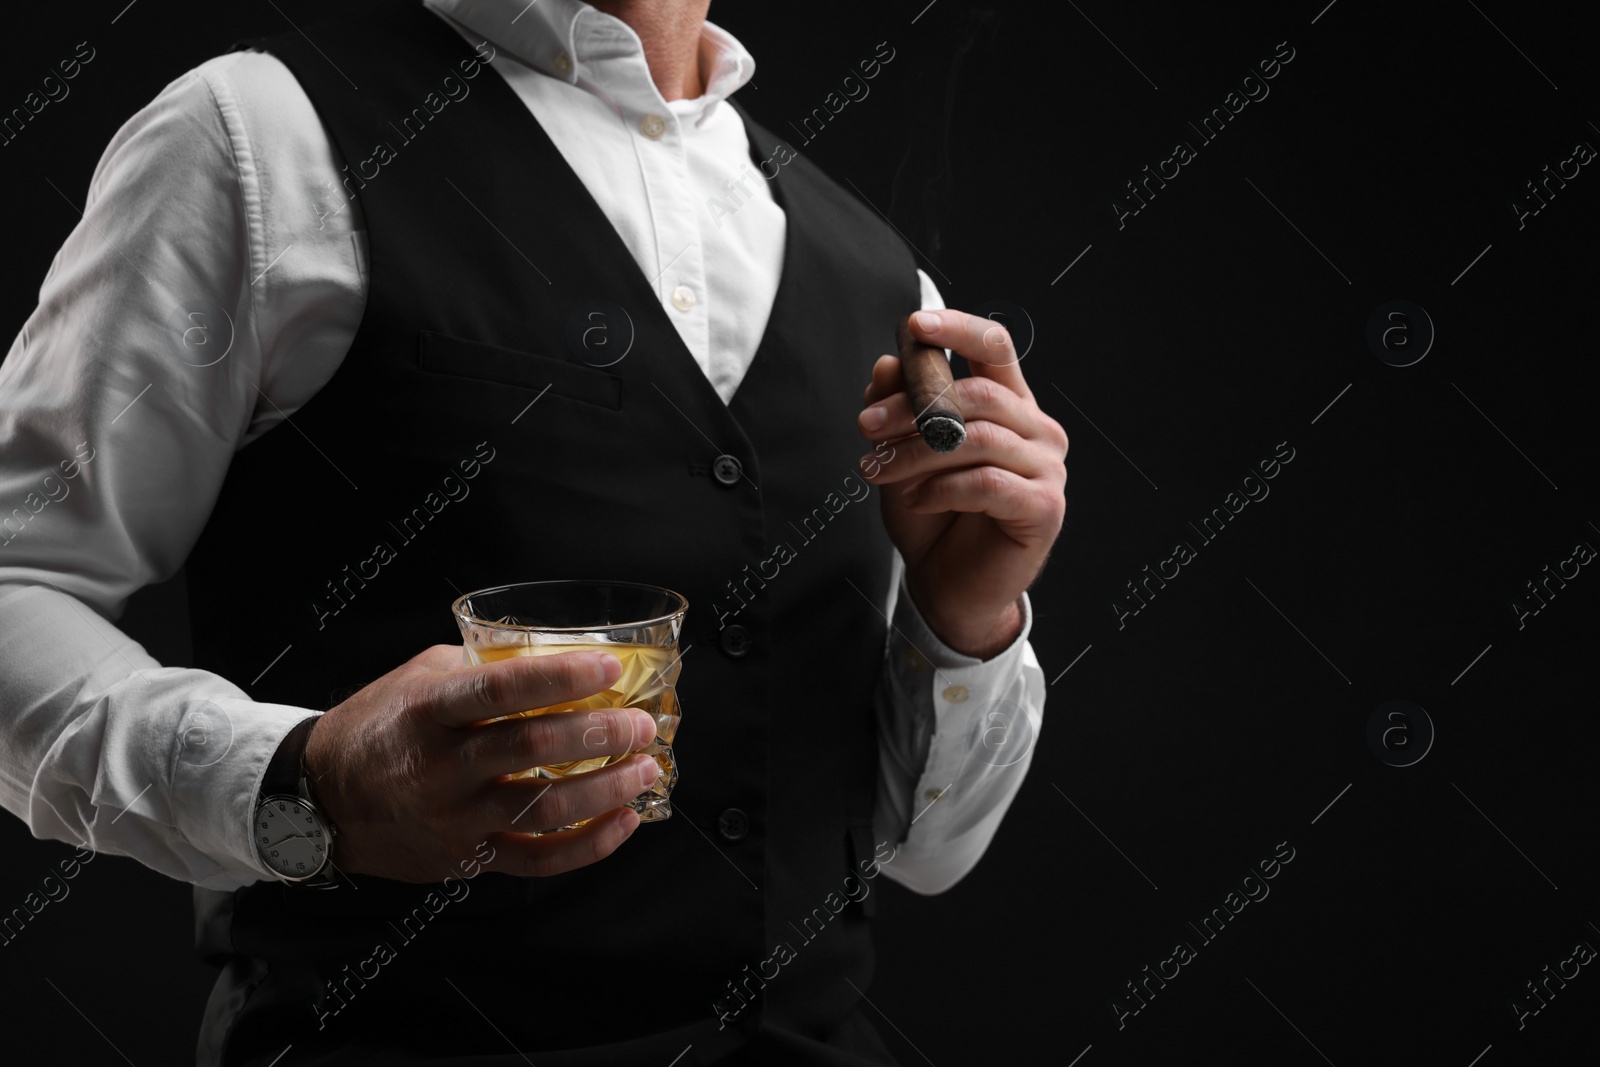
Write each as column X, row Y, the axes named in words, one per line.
column 293, row 837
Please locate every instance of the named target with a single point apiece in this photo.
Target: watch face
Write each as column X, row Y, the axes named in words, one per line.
column 289, row 838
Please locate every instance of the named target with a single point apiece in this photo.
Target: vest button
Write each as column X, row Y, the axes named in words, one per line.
column 726, row 468
column 735, row 640
column 733, row 825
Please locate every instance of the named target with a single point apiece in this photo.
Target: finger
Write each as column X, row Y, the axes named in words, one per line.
column 526, row 856
column 511, row 745
column 519, row 683
column 985, row 344
column 1004, row 496
column 886, row 379
column 979, row 398
column 987, row 444
column 529, row 804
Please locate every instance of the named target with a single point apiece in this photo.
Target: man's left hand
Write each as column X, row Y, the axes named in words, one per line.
column 974, row 525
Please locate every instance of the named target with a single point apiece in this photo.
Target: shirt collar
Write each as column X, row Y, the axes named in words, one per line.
column 574, row 42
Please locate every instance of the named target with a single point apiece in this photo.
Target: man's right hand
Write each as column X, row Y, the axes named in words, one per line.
column 416, row 780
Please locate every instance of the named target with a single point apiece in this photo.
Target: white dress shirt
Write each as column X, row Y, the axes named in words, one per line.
column 114, row 440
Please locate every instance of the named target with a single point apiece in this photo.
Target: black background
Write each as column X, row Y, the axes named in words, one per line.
column 1228, row 714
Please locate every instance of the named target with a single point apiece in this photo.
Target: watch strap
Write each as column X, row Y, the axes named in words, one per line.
column 285, row 777
column 283, row 773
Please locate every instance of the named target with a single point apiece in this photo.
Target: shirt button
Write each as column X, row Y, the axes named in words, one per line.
column 653, row 126
column 726, row 469
column 955, row 694
column 563, row 64
column 733, row 825
column 683, row 298
column 933, row 795
column 735, row 640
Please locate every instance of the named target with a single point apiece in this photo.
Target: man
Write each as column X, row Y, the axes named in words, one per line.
column 391, row 240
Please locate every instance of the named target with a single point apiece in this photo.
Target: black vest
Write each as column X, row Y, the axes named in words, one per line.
column 421, row 470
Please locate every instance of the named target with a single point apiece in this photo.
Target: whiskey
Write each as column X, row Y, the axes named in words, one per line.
column 646, row 681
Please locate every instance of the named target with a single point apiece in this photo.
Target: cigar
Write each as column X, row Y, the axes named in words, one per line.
column 931, row 388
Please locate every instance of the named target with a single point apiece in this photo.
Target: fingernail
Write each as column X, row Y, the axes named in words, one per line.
column 928, row 320
column 644, row 725
column 874, row 417
column 648, row 772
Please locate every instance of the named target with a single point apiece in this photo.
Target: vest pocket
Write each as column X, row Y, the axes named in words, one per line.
column 439, row 353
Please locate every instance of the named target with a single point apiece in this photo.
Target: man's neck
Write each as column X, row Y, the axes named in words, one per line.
column 670, row 31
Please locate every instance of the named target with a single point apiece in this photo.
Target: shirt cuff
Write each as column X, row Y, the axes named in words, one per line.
column 957, row 734
column 224, row 827
column 971, row 714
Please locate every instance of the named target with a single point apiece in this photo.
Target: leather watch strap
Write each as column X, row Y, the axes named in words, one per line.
column 282, row 776
column 285, row 777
